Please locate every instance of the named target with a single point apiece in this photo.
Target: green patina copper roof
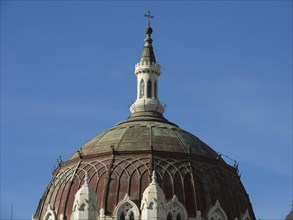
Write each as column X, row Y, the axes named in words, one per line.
column 146, row 131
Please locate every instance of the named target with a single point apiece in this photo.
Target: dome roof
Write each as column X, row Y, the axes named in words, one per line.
column 146, row 131
column 119, row 163
column 192, row 181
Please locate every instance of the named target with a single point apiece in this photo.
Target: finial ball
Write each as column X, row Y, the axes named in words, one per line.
column 148, row 30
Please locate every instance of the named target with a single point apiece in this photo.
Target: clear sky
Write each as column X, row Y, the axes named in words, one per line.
column 67, row 74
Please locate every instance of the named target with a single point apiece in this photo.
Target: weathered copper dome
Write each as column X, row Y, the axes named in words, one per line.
column 119, row 162
column 117, row 165
column 146, row 131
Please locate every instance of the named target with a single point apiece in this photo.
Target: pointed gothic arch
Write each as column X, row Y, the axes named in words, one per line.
column 141, row 88
column 149, row 89
column 131, row 216
column 245, row 215
column 82, row 208
column 122, row 216
column 85, row 202
column 177, row 209
column 156, row 89
column 127, row 208
column 50, row 214
column 169, row 216
column 178, row 217
column 216, row 212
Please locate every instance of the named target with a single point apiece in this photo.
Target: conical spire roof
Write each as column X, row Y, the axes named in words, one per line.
column 148, row 55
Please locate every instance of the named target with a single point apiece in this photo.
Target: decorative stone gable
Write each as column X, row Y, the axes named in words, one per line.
column 176, row 210
column 85, row 203
column 153, row 204
column 50, row 214
column 126, row 210
column 245, row 215
column 217, row 213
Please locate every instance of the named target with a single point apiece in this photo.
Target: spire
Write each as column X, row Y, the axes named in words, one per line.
column 148, row 55
column 154, row 177
column 86, row 179
column 147, row 72
column 153, row 203
column 85, row 202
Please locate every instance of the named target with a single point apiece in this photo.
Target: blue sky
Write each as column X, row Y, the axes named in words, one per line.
column 67, row 74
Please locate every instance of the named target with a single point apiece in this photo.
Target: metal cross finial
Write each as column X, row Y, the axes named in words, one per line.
column 149, row 16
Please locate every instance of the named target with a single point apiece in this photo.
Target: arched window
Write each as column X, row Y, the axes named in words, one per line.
column 50, row 214
column 216, row 212
column 49, row 217
column 149, row 89
column 126, row 210
column 141, row 89
column 131, row 216
column 151, row 208
column 169, row 217
column 122, row 216
column 177, row 209
column 151, row 205
column 156, row 89
column 245, row 215
column 82, row 210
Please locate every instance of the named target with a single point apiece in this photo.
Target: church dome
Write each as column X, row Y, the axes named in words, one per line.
column 143, row 132
column 145, row 167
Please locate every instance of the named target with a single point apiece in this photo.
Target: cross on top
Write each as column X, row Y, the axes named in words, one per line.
column 149, row 16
